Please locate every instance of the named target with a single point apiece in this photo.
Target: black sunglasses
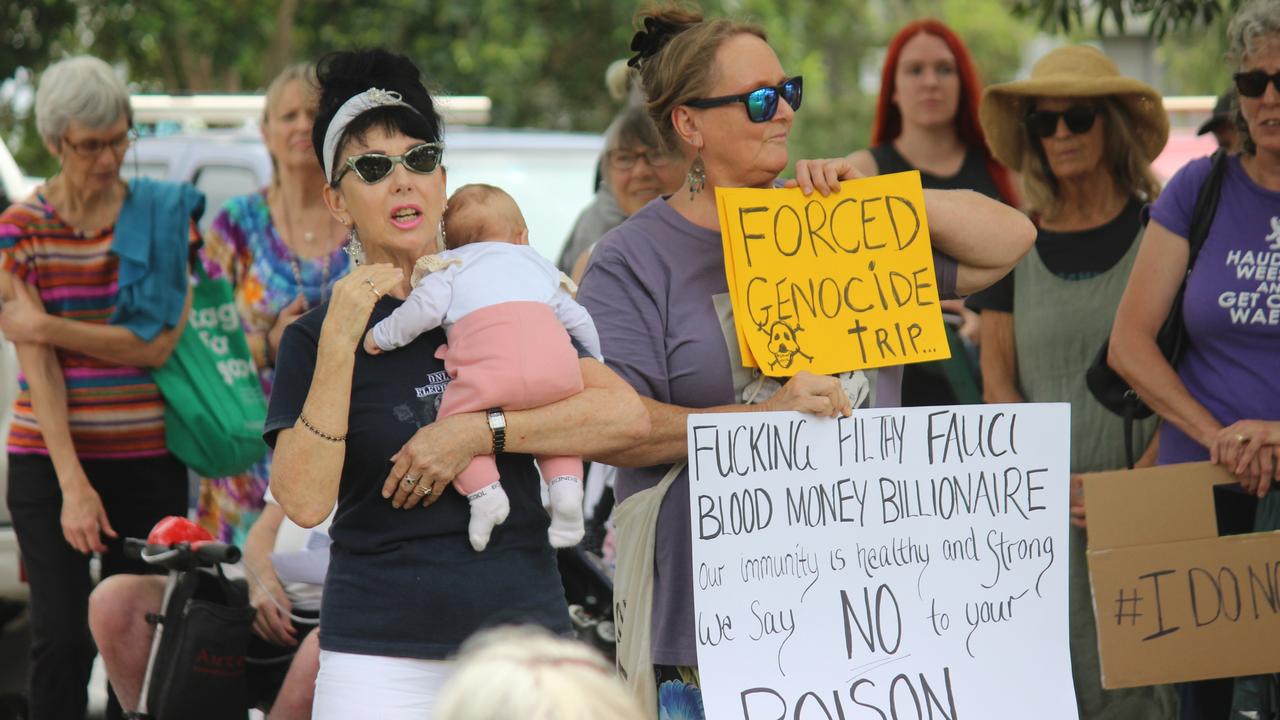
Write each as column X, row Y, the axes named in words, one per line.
column 1253, row 84
column 375, row 167
column 761, row 103
column 1044, row 123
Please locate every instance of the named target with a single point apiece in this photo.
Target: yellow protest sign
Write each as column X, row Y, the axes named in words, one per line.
column 832, row 284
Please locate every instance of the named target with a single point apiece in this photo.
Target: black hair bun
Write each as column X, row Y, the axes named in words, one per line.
column 342, row 75
column 660, row 26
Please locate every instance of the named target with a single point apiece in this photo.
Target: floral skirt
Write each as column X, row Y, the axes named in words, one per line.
column 229, row 506
column 679, row 693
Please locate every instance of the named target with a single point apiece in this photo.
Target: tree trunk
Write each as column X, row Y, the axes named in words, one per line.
column 281, row 53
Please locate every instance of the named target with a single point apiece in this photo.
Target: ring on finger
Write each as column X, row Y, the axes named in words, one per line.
column 373, row 288
column 422, row 490
column 1241, row 439
column 408, row 481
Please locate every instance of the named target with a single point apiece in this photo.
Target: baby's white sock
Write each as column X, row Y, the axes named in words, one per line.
column 566, row 528
column 489, row 508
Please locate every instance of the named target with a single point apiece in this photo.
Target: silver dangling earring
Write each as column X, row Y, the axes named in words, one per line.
column 697, row 177
column 441, row 244
column 354, row 248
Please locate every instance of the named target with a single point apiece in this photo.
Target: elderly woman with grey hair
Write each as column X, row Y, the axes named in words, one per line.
column 1222, row 401
column 93, row 275
column 635, row 168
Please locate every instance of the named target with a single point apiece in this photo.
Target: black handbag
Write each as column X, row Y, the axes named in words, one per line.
column 1107, row 386
column 199, row 669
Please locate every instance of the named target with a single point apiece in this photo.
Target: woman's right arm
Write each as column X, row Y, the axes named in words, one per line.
column 998, row 360
column 306, row 466
column 83, row 517
column 266, row 593
column 668, row 439
column 1153, row 283
column 632, row 337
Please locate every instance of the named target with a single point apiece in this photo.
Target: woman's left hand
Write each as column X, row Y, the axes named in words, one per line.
column 433, row 457
column 1250, row 450
column 21, row 317
column 822, row 175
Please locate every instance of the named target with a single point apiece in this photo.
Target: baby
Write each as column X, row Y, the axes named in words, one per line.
column 505, row 310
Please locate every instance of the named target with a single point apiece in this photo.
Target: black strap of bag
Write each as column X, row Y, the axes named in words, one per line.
column 1105, row 383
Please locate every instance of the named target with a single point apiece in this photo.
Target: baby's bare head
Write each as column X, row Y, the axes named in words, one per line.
column 478, row 213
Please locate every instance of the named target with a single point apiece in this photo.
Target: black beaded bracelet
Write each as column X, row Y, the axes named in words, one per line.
column 317, row 431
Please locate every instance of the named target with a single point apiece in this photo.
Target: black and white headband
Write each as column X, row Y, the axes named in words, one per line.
column 354, row 107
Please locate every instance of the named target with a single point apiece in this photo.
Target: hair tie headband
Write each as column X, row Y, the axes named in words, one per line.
column 354, row 107
column 647, row 42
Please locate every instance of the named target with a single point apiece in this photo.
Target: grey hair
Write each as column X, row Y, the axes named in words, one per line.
column 81, row 89
column 631, row 126
column 1253, row 24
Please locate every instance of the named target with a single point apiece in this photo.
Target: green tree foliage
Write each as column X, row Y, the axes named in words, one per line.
column 1163, row 16
column 1196, row 60
column 541, row 61
column 30, row 32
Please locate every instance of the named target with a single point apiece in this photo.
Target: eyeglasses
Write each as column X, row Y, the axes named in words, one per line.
column 375, row 167
column 1253, row 84
column 627, row 159
column 761, row 103
column 92, row 148
column 1079, row 119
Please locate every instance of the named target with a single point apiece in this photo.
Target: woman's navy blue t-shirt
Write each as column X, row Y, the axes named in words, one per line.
column 406, row 583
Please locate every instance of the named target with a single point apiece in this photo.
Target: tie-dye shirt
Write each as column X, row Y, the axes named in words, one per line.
column 114, row 411
column 242, row 245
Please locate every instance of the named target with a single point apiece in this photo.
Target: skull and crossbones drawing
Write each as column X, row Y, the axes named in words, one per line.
column 784, row 346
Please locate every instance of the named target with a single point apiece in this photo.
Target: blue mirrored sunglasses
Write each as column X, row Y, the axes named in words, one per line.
column 761, row 103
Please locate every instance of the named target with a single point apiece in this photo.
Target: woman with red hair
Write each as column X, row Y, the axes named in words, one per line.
column 927, row 116
column 927, row 120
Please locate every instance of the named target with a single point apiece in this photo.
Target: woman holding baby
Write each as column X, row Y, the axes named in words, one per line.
column 402, row 591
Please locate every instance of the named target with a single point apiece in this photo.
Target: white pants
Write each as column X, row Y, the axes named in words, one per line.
column 373, row 686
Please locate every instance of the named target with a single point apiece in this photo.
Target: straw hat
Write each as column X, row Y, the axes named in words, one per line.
column 1071, row 71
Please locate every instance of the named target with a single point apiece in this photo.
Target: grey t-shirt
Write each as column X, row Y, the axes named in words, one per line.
column 656, row 289
column 600, row 216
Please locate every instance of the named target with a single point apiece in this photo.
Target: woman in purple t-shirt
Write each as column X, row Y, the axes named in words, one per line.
column 1224, row 396
column 656, row 289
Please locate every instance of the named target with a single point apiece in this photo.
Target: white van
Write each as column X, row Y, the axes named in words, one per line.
column 550, row 174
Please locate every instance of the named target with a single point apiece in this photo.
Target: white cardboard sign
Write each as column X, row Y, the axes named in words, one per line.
column 897, row 564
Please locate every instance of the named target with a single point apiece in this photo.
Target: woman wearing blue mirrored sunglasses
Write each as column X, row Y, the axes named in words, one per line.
column 656, row 289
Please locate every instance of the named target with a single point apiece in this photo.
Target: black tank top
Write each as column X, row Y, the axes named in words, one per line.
column 925, row 384
column 973, row 173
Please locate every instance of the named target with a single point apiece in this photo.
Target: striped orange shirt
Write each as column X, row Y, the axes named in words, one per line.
column 114, row 411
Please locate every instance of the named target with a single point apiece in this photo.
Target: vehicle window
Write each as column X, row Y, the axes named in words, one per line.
column 220, row 183
column 551, row 187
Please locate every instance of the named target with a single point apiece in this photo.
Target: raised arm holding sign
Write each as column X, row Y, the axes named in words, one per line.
column 657, row 290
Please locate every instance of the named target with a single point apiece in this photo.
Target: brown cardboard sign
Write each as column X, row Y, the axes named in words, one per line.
column 1173, row 601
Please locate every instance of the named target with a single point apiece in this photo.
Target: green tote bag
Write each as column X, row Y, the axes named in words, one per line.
column 214, row 406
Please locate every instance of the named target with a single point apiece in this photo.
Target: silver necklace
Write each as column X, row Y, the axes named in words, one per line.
column 294, row 263
column 307, row 236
